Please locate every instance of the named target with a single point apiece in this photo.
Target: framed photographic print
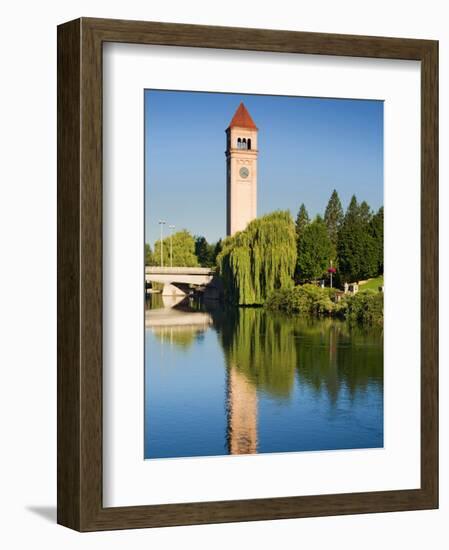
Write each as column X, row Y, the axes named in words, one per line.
column 247, row 274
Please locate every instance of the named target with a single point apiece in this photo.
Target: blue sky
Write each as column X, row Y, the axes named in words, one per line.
column 307, row 148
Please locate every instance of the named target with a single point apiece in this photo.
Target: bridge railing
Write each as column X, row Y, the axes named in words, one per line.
column 156, row 270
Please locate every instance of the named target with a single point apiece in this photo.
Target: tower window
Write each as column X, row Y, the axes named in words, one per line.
column 244, row 146
column 239, row 143
column 249, row 143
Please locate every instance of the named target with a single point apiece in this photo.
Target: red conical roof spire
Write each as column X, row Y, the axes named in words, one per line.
column 242, row 118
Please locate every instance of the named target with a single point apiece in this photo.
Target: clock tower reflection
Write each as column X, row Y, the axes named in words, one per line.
column 242, row 413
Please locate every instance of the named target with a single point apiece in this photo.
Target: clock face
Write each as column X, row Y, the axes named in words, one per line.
column 244, row 172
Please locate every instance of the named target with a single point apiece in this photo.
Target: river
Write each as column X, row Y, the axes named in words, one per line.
column 237, row 381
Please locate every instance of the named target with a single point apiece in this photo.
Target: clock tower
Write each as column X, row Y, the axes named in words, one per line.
column 241, row 171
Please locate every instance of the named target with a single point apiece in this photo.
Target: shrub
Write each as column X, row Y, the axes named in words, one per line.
column 304, row 300
column 366, row 308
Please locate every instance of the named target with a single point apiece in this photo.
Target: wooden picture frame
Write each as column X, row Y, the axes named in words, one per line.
column 80, row 351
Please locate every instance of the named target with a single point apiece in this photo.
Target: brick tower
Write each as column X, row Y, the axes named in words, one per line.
column 241, row 171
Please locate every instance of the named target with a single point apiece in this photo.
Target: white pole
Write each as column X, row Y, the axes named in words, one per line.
column 161, row 223
column 171, row 227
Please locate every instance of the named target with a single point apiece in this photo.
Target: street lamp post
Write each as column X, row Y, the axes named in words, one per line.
column 171, row 227
column 161, row 224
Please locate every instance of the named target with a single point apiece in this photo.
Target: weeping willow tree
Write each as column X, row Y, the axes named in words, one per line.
column 259, row 259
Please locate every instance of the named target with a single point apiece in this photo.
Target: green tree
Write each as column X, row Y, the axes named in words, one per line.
column 377, row 231
column 353, row 211
column 356, row 247
column 149, row 259
column 365, row 213
column 207, row 252
column 302, row 219
column 183, row 245
column 204, row 252
column 217, row 249
column 259, row 259
column 314, row 250
column 333, row 217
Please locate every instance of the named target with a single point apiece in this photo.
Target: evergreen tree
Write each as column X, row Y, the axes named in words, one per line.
column 217, row 249
column 365, row 213
column 183, row 245
column 314, row 250
column 204, row 252
column 357, row 250
column 333, row 217
column 352, row 213
column 302, row 219
column 377, row 231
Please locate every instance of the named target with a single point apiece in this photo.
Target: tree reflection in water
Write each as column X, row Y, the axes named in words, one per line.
column 267, row 354
column 264, row 351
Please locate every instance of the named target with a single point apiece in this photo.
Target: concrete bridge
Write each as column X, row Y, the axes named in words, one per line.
column 177, row 280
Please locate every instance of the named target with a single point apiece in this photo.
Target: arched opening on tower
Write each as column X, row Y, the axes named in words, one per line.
column 244, row 145
column 239, row 143
column 249, row 143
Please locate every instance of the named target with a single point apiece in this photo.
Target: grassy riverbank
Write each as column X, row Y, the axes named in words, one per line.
column 372, row 284
column 365, row 307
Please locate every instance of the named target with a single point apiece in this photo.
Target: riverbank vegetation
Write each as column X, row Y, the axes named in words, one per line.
column 278, row 263
column 365, row 308
column 372, row 284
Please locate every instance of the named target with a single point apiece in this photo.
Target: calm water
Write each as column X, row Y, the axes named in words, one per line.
column 251, row 381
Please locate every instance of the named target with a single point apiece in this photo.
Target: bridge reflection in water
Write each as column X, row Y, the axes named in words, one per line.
column 246, row 381
column 180, row 326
